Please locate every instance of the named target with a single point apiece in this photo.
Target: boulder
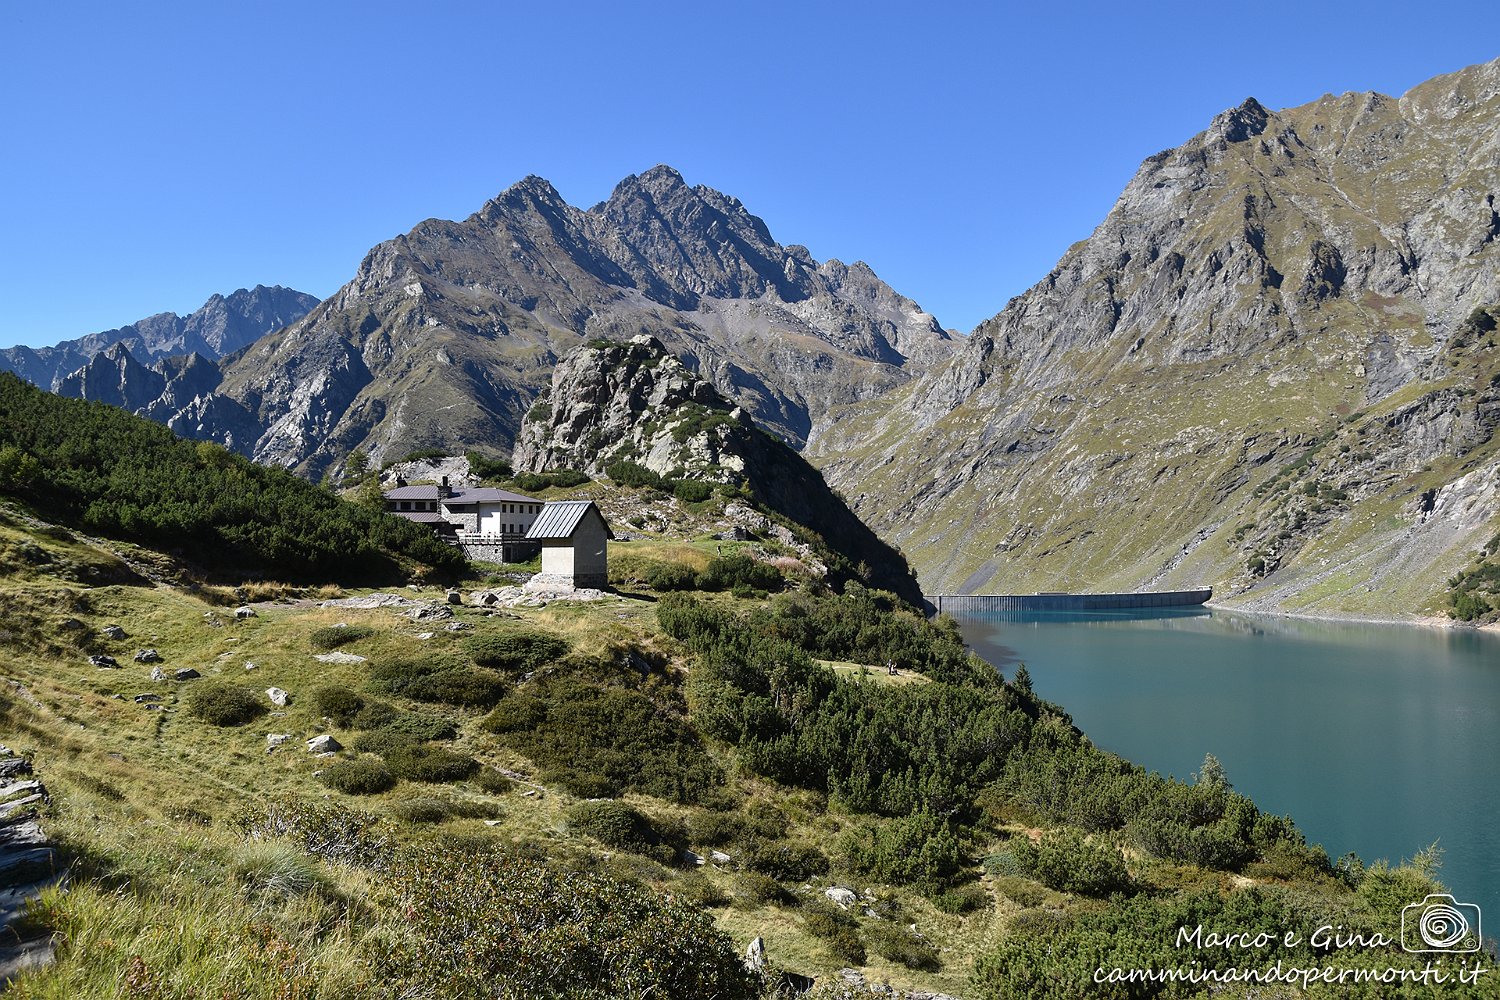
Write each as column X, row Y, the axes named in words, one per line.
column 186, row 674
column 454, row 597
column 158, row 674
column 324, row 744
column 278, row 697
column 241, row 614
column 755, row 957
column 147, row 698
column 147, row 656
column 251, row 665
column 719, row 857
column 114, row 632
column 104, row 662
column 339, row 656
column 275, row 740
column 845, row 898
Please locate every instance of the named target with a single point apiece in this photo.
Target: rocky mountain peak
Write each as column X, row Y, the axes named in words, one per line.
column 1244, row 122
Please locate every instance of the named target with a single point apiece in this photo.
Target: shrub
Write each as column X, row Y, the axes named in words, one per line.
column 911, row 850
column 900, row 945
column 665, row 576
column 700, row 891
column 515, row 714
column 374, row 715
column 963, row 899
column 327, row 831
column 737, row 569
column 579, row 783
column 612, row 823
column 627, row 473
column 515, row 649
column 419, row 728
column 474, row 688
column 1065, row 860
column 838, row 931
column 334, row 636
column 275, row 869
column 431, row 810
column 488, row 468
column 380, row 741
column 337, row 703
column 485, row 925
column 785, row 860
column 752, row 889
column 225, row 704
column 691, row 491
column 492, row 781
column 358, row 777
column 417, row 762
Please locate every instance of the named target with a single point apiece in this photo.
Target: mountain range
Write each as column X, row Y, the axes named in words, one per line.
column 1270, row 369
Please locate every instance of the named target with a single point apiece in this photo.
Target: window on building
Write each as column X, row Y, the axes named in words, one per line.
column 406, row 505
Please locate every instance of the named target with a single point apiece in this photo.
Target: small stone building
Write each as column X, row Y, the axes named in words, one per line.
column 575, row 545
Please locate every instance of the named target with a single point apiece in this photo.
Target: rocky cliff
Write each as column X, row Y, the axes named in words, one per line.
column 1251, row 375
column 446, row 335
column 221, row 326
column 636, row 402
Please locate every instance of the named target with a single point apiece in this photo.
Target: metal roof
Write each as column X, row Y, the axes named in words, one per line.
column 561, row 518
column 458, row 498
column 412, row 493
column 485, row 494
column 422, row 516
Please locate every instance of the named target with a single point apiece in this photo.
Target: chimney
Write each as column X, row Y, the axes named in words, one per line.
column 400, row 480
column 443, row 490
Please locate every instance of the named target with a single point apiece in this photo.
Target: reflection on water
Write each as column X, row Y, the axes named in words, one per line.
column 1378, row 739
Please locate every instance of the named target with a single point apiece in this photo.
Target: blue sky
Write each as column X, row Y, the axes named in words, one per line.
column 157, row 153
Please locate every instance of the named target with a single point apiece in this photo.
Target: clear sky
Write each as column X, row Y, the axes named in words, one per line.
column 154, row 153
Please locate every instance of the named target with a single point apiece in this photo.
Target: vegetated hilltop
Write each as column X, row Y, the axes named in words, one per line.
column 223, row 325
column 1270, row 369
column 445, row 335
column 636, row 414
column 95, row 467
column 610, row 798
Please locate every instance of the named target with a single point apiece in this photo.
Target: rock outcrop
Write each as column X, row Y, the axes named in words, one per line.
column 636, row 402
column 1283, row 282
column 28, row 864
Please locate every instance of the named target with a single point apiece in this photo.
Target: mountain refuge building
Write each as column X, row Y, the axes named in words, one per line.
column 487, row 523
column 575, row 545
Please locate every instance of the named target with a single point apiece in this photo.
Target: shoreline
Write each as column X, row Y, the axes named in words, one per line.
column 1418, row 621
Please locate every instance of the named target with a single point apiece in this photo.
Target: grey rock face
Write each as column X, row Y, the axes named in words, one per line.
column 147, row 656
column 278, row 697
column 467, row 318
column 637, row 402
column 223, row 325
column 324, row 744
column 1249, row 290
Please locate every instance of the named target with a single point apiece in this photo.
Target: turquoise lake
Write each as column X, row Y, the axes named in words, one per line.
column 1376, row 739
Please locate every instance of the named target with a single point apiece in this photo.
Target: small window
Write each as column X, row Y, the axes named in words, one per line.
column 406, row 505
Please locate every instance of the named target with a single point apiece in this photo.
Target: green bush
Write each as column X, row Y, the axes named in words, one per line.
column 964, row 899
column 515, row 649
column 334, row 636
column 1064, row 859
column 691, row 491
column 612, row 823
column 358, row 777
column 417, row 762
column 322, row 829
column 627, row 473
column 373, row 715
column 337, row 703
column 785, row 860
column 487, row 925
column 838, row 931
column 426, row 809
column 488, row 468
column 665, row 576
column 224, row 704
column 492, row 781
column 473, row 688
column 515, row 713
column 699, row 890
column 752, row 890
column 736, row 569
column 900, row 945
column 920, row 849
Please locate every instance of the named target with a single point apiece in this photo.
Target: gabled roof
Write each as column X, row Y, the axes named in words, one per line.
column 560, row 519
column 485, row 494
column 458, row 498
column 421, row 516
column 412, row 493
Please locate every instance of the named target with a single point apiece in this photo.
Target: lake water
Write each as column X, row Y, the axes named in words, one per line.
column 1377, row 739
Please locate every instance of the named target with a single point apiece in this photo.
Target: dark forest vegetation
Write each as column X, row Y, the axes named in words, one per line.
column 104, row 470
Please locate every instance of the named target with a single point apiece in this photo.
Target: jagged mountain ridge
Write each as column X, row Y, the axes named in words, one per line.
column 221, row 326
column 638, row 403
column 446, row 334
column 1278, row 276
